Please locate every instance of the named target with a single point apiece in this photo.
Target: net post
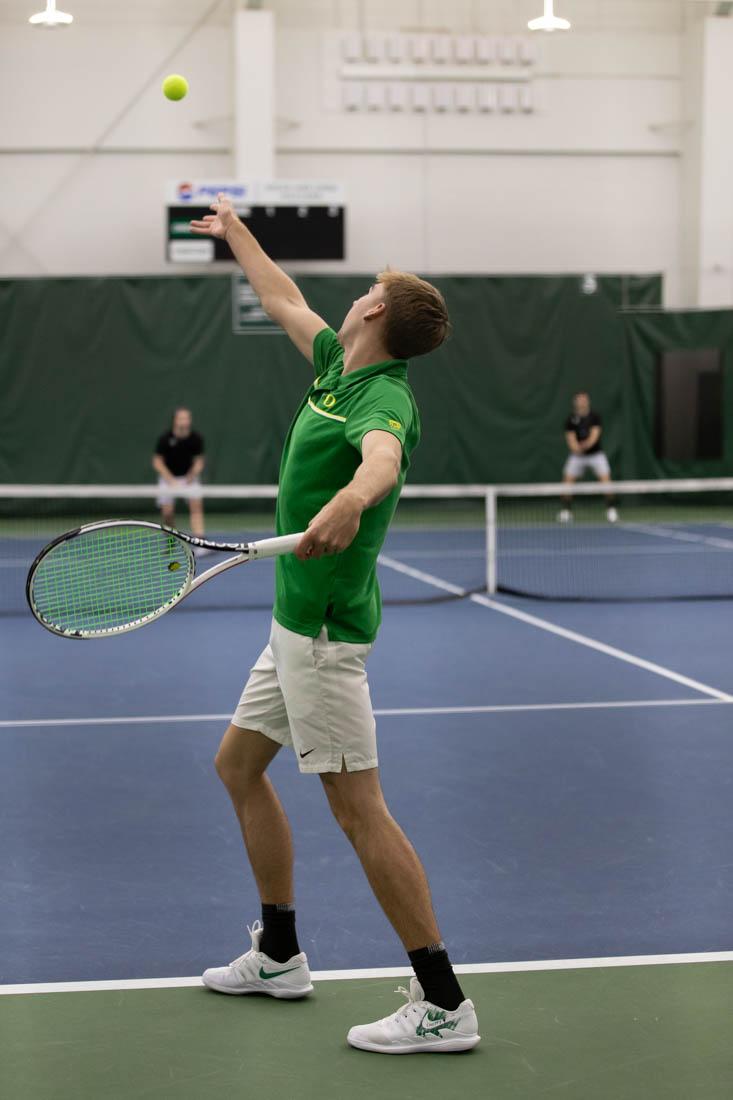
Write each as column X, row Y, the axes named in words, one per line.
column 491, row 539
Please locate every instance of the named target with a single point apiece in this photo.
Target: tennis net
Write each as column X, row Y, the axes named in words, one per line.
column 670, row 540
column 634, row 540
column 33, row 515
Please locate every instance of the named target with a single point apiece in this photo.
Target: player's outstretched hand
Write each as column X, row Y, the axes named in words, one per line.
column 216, row 224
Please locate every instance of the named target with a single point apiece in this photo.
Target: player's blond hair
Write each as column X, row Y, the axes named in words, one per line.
column 417, row 317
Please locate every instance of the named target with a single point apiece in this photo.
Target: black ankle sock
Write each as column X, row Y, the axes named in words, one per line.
column 279, row 940
column 435, row 974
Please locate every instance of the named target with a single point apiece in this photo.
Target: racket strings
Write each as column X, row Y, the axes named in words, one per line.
column 109, row 578
column 114, row 579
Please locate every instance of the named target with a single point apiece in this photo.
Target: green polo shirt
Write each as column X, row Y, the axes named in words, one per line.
column 321, row 454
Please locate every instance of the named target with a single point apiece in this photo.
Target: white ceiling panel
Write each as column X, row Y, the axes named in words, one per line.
column 498, row 16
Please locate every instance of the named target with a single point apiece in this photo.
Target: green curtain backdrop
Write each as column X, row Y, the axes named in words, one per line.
column 649, row 334
column 91, row 369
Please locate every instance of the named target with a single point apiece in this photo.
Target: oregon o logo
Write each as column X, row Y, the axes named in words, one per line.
column 329, row 401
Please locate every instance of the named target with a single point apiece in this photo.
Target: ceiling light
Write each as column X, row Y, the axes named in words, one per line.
column 50, row 17
column 549, row 21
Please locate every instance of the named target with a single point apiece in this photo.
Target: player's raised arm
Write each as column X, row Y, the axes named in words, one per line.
column 280, row 297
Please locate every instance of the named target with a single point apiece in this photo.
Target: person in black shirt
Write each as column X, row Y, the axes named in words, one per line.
column 583, row 436
column 179, row 461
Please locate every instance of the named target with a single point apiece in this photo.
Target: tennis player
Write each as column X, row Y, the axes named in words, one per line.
column 583, row 430
column 343, row 464
column 179, row 462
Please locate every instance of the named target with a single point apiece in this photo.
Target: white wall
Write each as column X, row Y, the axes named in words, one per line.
column 506, row 214
column 716, row 199
column 690, row 166
column 706, row 221
column 585, row 182
column 77, row 212
column 590, row 180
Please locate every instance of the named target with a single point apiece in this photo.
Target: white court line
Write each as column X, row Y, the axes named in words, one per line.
column 551, row 628
column 681, row 536
column 126, row 720
column 623, row 549
column 383, row 712
column 478, row 552
column 385, row 972
column 501, row 708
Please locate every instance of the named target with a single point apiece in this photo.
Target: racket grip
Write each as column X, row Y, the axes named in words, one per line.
column 272, row 548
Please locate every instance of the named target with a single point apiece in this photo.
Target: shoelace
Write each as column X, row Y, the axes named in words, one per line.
column 407, row 1009
column 256, row 928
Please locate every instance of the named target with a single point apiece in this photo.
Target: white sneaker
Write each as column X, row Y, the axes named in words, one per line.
column 565, row 516
column 612, row 515
column 254, row 972
column 419, row 1027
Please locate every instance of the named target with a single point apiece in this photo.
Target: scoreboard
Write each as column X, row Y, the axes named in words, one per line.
column 291, row 219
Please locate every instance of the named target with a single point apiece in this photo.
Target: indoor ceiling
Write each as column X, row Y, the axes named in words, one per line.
column 481, row 15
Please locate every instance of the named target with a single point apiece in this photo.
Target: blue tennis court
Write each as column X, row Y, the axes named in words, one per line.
column 562, row 766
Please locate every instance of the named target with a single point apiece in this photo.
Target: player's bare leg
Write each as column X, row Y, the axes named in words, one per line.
column 611, row 511
column 390, row 862
column 196, row 511
column 437, row 1016
column 168, row 514
column 274, row 964
column 566, row 513
column 242, row 760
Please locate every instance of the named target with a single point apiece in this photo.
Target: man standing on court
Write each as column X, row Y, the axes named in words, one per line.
column 179, row 462
column 583, row 437
column 343, row 465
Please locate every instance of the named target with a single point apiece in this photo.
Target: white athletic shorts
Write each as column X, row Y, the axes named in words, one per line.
column 312, row 694
column 576, row 465
column 167, row 493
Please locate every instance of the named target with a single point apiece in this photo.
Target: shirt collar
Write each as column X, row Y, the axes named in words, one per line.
column 396, row 368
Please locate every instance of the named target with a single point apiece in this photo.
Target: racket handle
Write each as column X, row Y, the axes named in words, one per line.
column 272, row 548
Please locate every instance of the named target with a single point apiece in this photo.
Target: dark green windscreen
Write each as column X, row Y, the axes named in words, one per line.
column 647, row 336
column 91, row 369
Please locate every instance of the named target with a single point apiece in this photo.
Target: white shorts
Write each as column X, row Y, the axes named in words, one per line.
column 312, row 694
column 576, row 465
column 167, row 492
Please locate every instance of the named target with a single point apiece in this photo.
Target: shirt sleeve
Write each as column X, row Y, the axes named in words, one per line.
column 198, row 445
column 327, row 351
column 569, row 425
column 595, row 421
column 387, row 410
column 160, row 446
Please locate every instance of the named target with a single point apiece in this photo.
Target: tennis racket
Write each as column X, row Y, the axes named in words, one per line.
column 107, row 578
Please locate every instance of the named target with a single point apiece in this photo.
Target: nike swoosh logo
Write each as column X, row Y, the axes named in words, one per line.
column 276, row 973
column 306, row 753
column 435, row 1030
column 445, row 1025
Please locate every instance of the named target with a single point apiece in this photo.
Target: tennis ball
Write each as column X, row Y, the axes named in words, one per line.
column 175, row 86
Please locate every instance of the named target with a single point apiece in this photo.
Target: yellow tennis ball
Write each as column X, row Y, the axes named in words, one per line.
column 175, row 86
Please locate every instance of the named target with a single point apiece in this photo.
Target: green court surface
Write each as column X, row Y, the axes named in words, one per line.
column 641, row 1032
